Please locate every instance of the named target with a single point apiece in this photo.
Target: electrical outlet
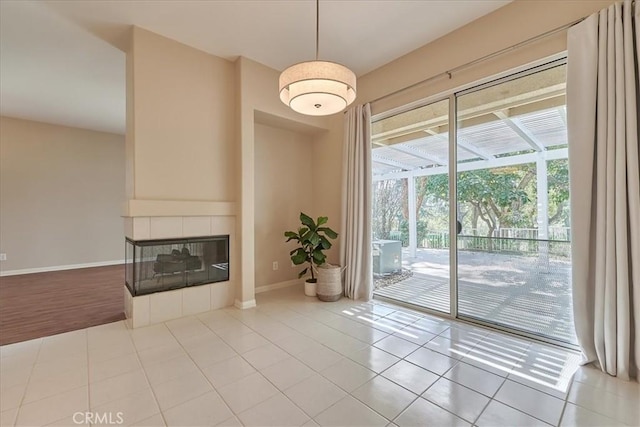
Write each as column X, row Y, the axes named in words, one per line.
column 275, row 265
column 3, row 257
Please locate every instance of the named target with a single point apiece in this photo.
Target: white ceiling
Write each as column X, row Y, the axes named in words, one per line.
column 59, row 62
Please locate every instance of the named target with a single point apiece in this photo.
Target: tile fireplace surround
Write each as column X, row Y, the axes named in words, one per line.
column 163, row 306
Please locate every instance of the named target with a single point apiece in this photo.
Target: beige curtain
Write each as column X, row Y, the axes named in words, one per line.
column 355, row 248
column 602, row 120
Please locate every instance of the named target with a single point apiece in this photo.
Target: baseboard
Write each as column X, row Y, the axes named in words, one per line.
column 242, row 305
column 59, row 268
column 278, row 285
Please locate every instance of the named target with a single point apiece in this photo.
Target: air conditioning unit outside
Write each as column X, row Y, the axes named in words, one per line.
column 387, row 256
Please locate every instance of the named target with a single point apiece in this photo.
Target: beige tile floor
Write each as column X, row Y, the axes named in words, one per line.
column 296, row 361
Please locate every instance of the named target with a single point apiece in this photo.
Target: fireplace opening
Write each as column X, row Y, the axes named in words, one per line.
column 161, row 265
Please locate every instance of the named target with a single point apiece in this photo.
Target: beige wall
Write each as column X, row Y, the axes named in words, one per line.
column 180, row 130
column 61, row 192
column 257, row 87
column 327, row 179
column 180, row 145
column 283, row 188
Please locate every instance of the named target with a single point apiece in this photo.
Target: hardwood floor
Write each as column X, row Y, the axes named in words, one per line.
column 43, row 304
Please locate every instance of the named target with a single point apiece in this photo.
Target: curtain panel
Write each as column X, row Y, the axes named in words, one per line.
column 355, row 249
column 602, row 122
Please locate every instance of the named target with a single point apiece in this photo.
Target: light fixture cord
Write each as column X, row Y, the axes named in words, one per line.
column 317, row 27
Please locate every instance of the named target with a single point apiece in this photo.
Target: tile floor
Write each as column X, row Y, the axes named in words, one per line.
column 296, row 361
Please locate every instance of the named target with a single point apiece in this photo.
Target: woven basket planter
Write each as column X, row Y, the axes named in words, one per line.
column 329, row 282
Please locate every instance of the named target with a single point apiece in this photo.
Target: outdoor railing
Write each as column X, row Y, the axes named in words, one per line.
column 558, row 248
column 554, row 233
column 435, row 241
column 399, row 235
column 513, row 240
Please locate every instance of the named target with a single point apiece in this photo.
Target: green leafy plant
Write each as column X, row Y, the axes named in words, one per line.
column 312, row 239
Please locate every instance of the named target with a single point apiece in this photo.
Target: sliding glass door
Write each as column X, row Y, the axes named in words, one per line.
column 514, row 267
column 410, row 215
column 510, row 219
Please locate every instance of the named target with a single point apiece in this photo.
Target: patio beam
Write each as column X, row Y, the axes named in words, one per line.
column 517, row 126
column 542, row 187
column 521, row 159
column 563, row 114
column 390, row 162
column 416, row 152
column 416, row 120
column 413, row 233
column 465, row 145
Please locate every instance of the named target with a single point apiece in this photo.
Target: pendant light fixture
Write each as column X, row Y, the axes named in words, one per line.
column 317, row 88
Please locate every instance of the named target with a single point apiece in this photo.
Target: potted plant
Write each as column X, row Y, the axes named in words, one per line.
column 313, row 240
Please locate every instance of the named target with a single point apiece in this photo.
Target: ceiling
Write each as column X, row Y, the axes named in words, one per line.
column 60, row 62
column 500, row 124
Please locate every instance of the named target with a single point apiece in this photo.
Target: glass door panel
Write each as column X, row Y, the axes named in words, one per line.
column 514, row 266
column 410, row 157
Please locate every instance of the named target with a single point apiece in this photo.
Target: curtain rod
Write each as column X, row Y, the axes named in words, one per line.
column 449, row 73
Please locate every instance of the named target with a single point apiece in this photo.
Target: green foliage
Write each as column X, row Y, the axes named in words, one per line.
column 493, row 186
column 387, row 207
column 558, row 181
column 312, row 240
column 438, row 187
column 489, row 199
column 499, row 197
column 421, row 231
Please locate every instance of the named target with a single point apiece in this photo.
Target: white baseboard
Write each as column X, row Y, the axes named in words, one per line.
column 59, row 268
column 278, row 285
column 242, row 305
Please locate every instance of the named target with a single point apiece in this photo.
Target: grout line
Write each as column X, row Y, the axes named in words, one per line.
column 236, row 415
column 144, row 372
column 564, row 407
column 26, row 387
column 477, row 343
column 520, row 410
column 379, row 374
column 491, row 398
column 88, row 372
column 417, row 396
column 282, row 392
column 64, row 391
column 482, row 412
column 315, row 371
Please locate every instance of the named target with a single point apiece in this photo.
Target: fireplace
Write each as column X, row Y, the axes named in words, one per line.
column 162, row 265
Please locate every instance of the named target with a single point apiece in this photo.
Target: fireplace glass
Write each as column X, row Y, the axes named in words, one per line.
column 162, row 265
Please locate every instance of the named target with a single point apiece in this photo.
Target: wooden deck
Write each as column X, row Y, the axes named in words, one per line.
column 518, row 292
column 43, row 304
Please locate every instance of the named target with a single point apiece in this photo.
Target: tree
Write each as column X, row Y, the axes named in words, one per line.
column 488, row 200
column 497, row 196
column 422, row 190
column 558, row 182
column 387, row 207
